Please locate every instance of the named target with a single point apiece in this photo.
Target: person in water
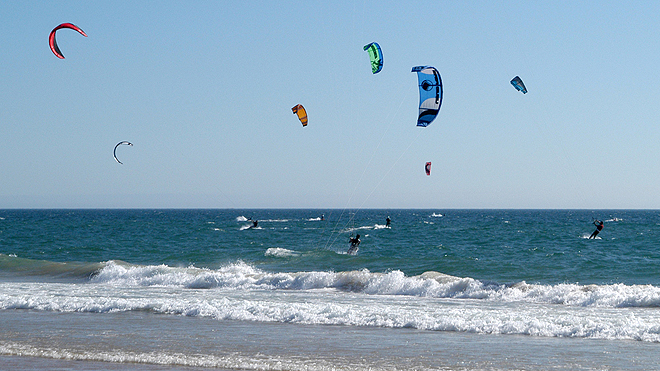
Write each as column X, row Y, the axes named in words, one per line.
column 355, row 242
column 255, row 223
column 388, row 221
column 599, row 227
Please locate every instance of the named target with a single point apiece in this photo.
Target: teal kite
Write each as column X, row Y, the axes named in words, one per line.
column 376, row 56
column 519, row 85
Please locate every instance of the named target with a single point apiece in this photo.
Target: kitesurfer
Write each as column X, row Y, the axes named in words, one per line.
column 355, row 242
column 387, row 222
column 255, row 223
column 599, row 227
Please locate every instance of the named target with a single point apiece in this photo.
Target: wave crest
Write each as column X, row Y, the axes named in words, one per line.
column 242, row 276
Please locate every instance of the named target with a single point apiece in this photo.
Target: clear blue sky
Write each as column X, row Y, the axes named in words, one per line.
column 204, row 91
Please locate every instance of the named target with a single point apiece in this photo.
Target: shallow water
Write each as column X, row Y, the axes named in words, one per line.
column 151, row 342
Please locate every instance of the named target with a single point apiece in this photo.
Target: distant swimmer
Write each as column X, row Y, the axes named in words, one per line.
column 599, row 227
column 388, row 221
column 355, row 242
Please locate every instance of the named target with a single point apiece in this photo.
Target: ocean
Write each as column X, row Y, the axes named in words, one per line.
column 438, row 290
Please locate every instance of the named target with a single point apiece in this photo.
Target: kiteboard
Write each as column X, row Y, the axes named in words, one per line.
column 352, row 250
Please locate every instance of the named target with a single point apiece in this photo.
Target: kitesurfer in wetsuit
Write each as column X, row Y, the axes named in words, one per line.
column 387, row 222
column 255, row 223
column 355, row 242
column 599, row 227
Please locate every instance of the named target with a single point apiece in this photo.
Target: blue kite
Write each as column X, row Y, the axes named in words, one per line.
column 518, row 84
column 430, row 94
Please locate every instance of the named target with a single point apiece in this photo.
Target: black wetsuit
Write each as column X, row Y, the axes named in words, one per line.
column 599, row 227
column 355, row 242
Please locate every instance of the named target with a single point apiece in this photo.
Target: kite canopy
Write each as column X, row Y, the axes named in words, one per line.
column 53, row 43
column 376, row 56
column 115, row 151
column 430, row 94
column 428, row 168
column 518, row 84
column 302, row 114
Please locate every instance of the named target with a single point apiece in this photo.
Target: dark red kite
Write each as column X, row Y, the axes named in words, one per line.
column 53, row 43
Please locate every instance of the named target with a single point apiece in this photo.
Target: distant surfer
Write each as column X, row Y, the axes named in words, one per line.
column 255, row 223
column 355, row 242
column 599, row 227
column 388, row 221
column 322, row 216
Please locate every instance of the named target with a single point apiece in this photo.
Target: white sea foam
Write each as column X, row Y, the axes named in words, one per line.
column 430, row 301
column 332, row 307
column 366, row 227
column 228, row 362
column 430, row 284
column 280, row 252
column 249, row 226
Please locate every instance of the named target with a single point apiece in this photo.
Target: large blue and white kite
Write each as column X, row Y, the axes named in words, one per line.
column 430, row 94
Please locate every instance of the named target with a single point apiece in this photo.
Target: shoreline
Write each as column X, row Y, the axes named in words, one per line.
column 40, row 363
column 144, row 341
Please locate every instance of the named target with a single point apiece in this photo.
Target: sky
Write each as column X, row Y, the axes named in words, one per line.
column 204, row 90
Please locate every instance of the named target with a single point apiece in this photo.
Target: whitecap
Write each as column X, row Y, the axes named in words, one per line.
column 280, row 252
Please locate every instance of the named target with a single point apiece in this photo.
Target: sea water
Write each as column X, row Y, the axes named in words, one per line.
column 440, row 289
